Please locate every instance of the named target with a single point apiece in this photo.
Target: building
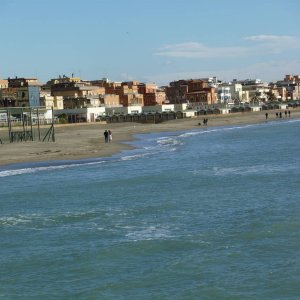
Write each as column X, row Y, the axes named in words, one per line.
column 257, row 90
column 132, row 99
column 76, row 90
column 84, row 114
column 207, row 96
column 3, row 83
column 180, row 91
column 159, row 108
column 145, row 88
column 223, row 93
column 238, row 95
column 49, row 102
column 110, row 111
column 21, row 92
column 110, row 100
column 127, row 92
column 176, row 92
column 195, row 85
column 292, row 85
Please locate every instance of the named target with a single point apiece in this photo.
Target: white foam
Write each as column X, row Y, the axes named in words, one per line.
column 207, row 131
column 12, row 221
column 136, row 156
column 168, row 141
column 150, row 233
column 247, row 170
column 41, row 169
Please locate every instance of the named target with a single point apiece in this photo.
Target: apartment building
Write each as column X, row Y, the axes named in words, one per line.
column 181, row 91
column 3, row 83
column 237, row 93
column 206, row 96
column 20, row 92
column 176, row 91
column 292, row 85
column 126, row 91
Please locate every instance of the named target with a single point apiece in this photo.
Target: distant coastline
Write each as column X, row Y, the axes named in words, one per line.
column 86, row 140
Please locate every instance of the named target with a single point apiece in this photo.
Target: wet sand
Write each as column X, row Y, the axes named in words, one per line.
column 78, row 141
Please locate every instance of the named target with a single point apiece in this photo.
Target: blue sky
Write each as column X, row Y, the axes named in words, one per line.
column 150, row 41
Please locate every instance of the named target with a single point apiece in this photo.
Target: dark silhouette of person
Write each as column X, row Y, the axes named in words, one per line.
column 280, row 115
column 285, row 113
column 267, row 116
column 289, row 114
column 277, row 115
column 106, row 136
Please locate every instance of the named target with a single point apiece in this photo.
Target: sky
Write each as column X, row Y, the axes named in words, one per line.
column 150, row 41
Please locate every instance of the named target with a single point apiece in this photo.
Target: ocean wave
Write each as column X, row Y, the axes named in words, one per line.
column 212, row 130
column 54, row 219
column 247, row 170
column 293, row 121
column 135, row 156
column 31, row 170
column 149, row 233
column 16, row 220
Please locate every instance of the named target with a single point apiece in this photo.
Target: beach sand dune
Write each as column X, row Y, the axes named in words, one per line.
column 77, row 141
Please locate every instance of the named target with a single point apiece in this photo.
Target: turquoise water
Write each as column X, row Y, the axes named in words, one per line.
column 208, row 214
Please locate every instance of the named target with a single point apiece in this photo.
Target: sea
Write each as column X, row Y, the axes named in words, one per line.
column 210, row 213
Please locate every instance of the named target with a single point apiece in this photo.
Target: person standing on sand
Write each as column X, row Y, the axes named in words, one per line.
column 106, row 136
column 267, row 116
column 289, row 114
column 109, row 136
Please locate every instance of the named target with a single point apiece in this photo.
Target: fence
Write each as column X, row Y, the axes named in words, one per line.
column 25, row 124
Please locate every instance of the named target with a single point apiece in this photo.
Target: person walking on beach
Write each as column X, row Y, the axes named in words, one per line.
column 285, row 112
column 109, row 136
column 106, row 136
column 280, row 115
column 289, row 114
column 277, row 115
column 267, row 116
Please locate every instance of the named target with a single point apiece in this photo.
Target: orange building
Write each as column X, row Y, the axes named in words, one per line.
column 3, row 83
column 157, row 98
column 144, row 88
column 195, row 85
column 132, row 99
column 207, row 96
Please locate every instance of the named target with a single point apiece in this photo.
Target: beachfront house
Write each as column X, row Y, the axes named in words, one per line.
column 84, row 114
column 158, row 108
column 123, row 110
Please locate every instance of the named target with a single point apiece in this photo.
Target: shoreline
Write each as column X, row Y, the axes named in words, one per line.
column 86, row 140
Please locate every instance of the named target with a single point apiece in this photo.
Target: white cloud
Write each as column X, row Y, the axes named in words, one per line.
column 268, row 57
column 266, row 71
column 267, row 44
column 199, row 50
column 269, row 38
column 275, row 43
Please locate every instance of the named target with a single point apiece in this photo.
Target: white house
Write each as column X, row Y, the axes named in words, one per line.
column 88, row 114
column 158, row 108
column 123, row 110
column 224, row 95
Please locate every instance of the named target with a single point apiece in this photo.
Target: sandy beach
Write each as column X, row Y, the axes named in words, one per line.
column 78, row 141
